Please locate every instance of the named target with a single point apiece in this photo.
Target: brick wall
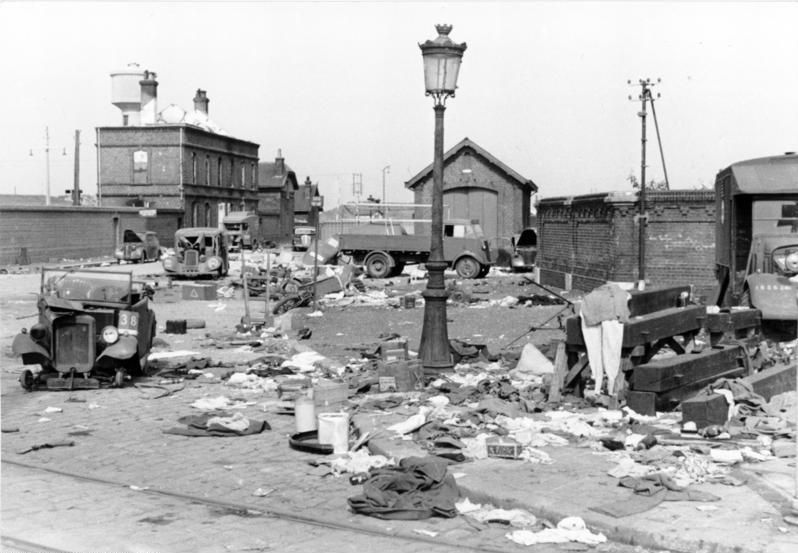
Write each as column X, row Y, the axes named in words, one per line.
column 53, row 233
column 593, row 239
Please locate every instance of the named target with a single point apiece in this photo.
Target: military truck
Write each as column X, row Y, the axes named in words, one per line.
column 385, row 255
column 242, row 230
column 756, row 236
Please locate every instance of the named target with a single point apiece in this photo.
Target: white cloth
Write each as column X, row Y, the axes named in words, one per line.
column 603, row 343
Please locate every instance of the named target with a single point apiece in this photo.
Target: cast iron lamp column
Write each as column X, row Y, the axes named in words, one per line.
column 442, row 59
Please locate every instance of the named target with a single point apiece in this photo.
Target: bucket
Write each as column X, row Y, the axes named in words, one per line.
column 334, row 430
column 304, row 414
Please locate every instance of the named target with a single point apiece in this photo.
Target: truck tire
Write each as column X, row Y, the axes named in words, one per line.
column 397, row 269
column 467, row 267
column 378, row 265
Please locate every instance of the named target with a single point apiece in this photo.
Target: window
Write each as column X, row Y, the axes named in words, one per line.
column 207, row 214
column 219, row 172
column 207, row 171
column 252, row 175
column 243, row 175
column 194, row 167
column 195, row 215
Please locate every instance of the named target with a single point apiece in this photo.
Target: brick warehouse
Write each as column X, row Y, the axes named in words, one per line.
column 585, row 241
column 172, row 159
column 476, row 185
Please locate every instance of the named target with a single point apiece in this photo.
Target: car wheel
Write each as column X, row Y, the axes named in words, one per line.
column 27, row 380
column 286, row 305
column 467, row 267
column 378, row 265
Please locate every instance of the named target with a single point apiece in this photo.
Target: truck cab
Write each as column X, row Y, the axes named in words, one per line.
column 242, row 230
column 756, row 238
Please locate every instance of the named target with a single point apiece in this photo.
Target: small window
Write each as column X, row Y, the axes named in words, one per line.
column 243, row 175
column 252, row 175
column 207, row 171
column 194, row 167
column 219, row 172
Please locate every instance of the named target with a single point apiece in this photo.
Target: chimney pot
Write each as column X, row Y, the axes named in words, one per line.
column 201, row 101
column 149, row 98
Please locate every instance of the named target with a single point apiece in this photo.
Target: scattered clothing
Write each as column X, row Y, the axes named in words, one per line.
column 419, row 488
column 567, row 530
column 218, row 424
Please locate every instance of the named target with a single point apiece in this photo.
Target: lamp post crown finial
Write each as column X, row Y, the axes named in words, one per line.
column 443, row 29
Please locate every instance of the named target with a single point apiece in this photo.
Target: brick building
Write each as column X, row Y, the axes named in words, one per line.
column 277, row 186
column 476, row 185
column 173, row 159
column 585, row 241
column 304, row 214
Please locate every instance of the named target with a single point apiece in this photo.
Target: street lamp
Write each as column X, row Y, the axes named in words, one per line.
column 386, row 169
column 442, row 59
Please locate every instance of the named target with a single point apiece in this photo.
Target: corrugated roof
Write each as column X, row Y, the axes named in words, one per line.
column 490, row 158
column 774, row 175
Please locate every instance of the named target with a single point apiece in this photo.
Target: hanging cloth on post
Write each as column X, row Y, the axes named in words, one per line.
column 603, row 314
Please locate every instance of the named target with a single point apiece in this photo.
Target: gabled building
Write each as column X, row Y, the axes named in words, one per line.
column 477, row 185
column 277, row 186
column 172, row 160
column 304, row 214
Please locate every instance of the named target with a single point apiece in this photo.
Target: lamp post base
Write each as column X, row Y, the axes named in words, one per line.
column 434, row 349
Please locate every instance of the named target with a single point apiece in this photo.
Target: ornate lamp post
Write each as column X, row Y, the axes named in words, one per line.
column 442, row 59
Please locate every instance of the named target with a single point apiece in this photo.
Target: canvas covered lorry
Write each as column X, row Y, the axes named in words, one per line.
column 756, row 238
column 385, row 255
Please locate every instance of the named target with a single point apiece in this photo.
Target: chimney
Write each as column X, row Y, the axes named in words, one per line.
column 201, row 101
column 149, row 98
column 279, row 163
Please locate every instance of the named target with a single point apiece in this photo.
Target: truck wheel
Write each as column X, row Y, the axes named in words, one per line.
column 467, row 267
column 378, row 265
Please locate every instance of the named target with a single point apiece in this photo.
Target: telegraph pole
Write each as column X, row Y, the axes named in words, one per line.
column 47, row 158
column 642, row 217
column 76, row 186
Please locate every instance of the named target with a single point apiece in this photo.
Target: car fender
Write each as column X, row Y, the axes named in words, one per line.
column 774, row 295
column 468, row 253
column 125, row 348
column 32, row 353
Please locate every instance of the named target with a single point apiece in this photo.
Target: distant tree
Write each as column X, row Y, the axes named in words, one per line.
column 652, row 184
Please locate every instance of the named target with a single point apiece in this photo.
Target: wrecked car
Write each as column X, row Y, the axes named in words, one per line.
column 525, row 250
column 138, row 247
column 199, row 252
column 93, row 325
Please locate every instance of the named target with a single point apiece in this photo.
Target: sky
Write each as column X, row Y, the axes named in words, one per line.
column 338, row 86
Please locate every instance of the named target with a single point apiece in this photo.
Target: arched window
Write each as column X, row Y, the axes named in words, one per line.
column 208, row 219
column 195, row 215
column 207, row 171
column 194, row 168
column 219, row 172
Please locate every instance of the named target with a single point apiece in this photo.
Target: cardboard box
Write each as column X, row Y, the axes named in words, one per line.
column 394, row 350
column 201, row 292
column 330, row 396
column 505, row 448
column 400, row 376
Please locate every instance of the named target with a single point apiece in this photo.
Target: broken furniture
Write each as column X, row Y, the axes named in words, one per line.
column 658, row 319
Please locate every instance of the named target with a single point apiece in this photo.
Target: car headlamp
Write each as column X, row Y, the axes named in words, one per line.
column 38, row 331
column 214, row 263
column 786, row 260
column 110, row 334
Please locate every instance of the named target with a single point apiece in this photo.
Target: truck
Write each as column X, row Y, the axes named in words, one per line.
column 385, row 255
column 242, row 230
column 756, row 238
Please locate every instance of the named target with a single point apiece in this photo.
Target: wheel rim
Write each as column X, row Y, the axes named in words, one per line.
column 467, row 268
column 378, row 266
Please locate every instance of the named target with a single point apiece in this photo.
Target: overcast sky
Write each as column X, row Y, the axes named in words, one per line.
column 338, row 86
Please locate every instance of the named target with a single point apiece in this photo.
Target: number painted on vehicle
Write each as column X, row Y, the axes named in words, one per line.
column 128, row 323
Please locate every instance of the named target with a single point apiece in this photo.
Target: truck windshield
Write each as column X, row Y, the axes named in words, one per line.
column 775, row 217
column 233, row 226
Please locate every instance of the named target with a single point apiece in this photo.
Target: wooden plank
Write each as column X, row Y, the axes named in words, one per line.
column 649, row 328
column 574, row 371
column 560, row 370
column 672, row 372
column 648, row 301
column 668, row 400
column 775, row 380
column 730, row 321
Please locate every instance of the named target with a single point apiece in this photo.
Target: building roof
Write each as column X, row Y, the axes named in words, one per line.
column 270, row 176
column 457, row 149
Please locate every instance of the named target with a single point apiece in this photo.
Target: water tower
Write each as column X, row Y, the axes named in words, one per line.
column 126, row 93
